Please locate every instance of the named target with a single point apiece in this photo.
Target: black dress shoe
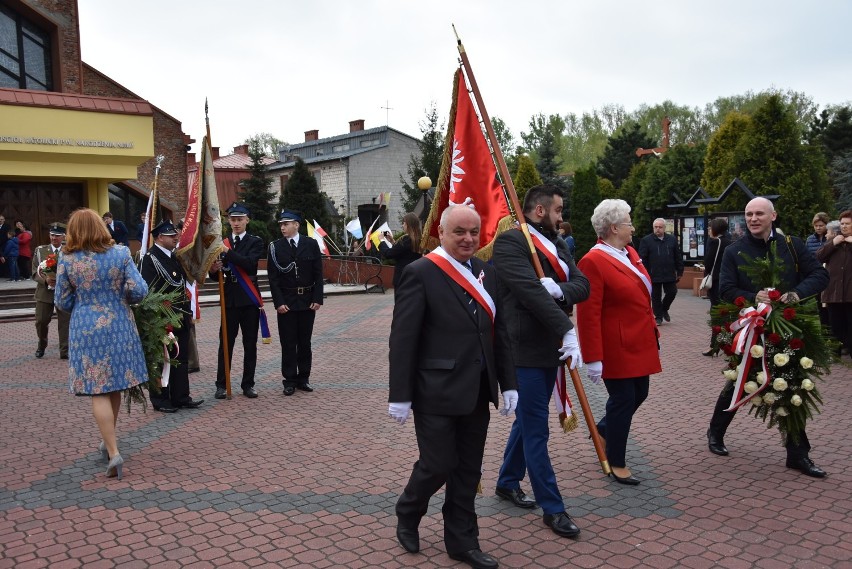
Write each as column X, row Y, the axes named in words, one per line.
column 666, row 316
column 517, row 497
column 305, row 387
column 806, row 466
column 716, row 444
column 659, row 321
column 193, row 370
column 63, row 356
column 250, row 392
column 476, row 559
column 408, row 538
column 165, row 409
column 192, row 404
column 561, row 524
column 39, row 353
column 628, row 480
column 220, row 393
column 289, row 390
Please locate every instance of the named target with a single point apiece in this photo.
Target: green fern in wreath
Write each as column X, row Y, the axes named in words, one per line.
column 155, row 318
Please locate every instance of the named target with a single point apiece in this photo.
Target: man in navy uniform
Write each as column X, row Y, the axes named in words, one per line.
column 295, row 276
column 242, row 309
column 162, row 271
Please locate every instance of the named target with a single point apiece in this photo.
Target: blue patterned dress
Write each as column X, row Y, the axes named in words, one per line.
column 105, row 353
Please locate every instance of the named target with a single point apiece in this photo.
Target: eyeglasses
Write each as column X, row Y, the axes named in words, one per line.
column 627, row 223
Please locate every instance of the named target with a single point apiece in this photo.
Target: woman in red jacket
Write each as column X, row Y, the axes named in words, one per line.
column 25, row 254
column 618, row 334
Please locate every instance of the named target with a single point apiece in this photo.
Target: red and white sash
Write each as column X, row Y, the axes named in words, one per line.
column 546, row 247
column 464, row 279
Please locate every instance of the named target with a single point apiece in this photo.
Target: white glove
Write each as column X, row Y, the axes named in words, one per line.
column 399, row 411
column 510, row 402
column 552, row 288
column 594, row 369
column 571, row 348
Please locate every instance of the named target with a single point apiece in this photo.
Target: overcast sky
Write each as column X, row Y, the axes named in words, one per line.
column 285, row 67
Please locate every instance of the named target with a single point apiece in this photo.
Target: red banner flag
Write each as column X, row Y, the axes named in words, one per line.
column 468, row 175
column 201, row 239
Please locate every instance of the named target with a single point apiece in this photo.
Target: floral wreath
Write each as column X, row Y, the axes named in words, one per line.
column 776, row 351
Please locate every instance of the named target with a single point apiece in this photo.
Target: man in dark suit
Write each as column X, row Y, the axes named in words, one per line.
column 532, row 326
column 162, row 271
column 241, row 309
column 4, row 236
column 45, row 284
column 117, row 230
column 664, row 263
column 294, row 265
column 442, row 366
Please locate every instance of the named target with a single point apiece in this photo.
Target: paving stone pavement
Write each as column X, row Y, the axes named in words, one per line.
column 311, row 480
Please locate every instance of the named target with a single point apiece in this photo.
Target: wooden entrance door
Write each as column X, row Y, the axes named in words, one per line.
column 39, row 205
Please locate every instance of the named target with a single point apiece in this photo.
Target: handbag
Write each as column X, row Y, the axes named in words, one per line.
column 707, row 281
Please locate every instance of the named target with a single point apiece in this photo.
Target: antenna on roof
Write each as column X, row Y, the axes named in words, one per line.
column 387, row 109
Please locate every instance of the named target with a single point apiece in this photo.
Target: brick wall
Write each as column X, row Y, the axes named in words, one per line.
column 169, row 140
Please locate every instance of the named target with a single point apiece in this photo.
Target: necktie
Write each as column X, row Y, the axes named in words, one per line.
column 236, row 240
column 471, row 303
column 293, row 246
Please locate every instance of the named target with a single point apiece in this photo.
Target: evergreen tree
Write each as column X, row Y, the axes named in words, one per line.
column 302, row 194
column 833, row 131
column 507, row 143
column 584, row 199
column 841, row 175
column 720, row 160
column 255, row 194
column 429, row 161
column 526, row 177
column 608, row 191
column 620, row 154
column 772, row 160
column 673, row 177
column 548, row 160
column 629, row 190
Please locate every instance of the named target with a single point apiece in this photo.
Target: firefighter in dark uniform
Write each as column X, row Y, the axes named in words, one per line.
column 294, row 264
column 162, row 271
column 241, row 310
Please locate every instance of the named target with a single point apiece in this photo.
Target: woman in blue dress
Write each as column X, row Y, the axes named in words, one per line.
column 96, row 281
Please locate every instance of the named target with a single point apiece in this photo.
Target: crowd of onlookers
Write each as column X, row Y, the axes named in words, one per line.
column 15, row 250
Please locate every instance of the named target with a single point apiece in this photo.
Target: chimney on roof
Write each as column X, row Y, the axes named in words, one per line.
column 241, row 149
column 311, row 135
column 356, row 125
column 215, row 152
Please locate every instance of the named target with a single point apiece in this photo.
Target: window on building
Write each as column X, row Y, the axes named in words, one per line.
column 24, row 53
column 126, row 205
column 340, row 148
column 366, row 143
column 320, row 151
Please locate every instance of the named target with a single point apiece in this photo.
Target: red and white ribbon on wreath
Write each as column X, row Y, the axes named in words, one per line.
column 167, row 361
column 746, row 336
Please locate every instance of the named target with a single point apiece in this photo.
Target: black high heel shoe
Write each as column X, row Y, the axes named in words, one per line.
column 710, row 353
column 630, row 480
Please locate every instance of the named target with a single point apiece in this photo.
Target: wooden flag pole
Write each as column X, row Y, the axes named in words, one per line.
column 509, row 187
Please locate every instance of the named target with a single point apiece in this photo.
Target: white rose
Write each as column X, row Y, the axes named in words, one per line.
column 806, row 363
column 781, row 359
column 760, row 378
column 756, row 351
column 807, row 384
column 781, row 412
column 796, row 400
column 770, row 398
column 750, row 387
column 730, row 374
column 780, row 384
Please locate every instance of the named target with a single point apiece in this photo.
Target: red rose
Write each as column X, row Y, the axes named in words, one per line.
column 758, row 329
column 774, row 338
column 724, row 312
column 728, row 326
column 167, row 303
column 774, row 295
column 789, row 313
column 169, row 329
column 727, row 349
column 797, row 344
column 740, row 301
column 716, row 329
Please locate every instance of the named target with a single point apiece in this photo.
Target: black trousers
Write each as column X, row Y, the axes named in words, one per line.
column 294, row 331
column 451, row 449
column 661, row 302
column 625, row 397
column 176, row 393
column 840, row 319
column 247, row 319
column 721, row 419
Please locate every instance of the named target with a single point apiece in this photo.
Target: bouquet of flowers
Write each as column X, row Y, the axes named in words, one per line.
column 47, row 268
column 776, row 352
column 156, row 321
